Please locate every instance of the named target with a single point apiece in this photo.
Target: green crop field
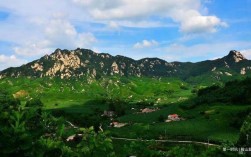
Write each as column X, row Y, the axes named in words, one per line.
column 214, row 126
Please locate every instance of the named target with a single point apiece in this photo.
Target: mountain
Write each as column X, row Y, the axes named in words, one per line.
column 86, row 63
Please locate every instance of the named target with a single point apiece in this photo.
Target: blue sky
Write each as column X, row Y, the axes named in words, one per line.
column 184, row 30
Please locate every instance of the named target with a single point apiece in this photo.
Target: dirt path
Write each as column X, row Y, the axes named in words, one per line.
column 145, row 140
column 168, row 141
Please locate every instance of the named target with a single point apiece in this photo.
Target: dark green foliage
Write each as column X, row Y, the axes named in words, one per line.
column 95, row 144
column 245, row 133
column 93, row 118
column 184, row 87
column 208, row 90
column 144, row 149
column 19, row 131
column 34, row 132
column 7, row 101
column 188, row 151
column 161, row 118
column 143, row 104
column 238, row 118
column 87, row 120
column 167, row 92
column 236, row 92
column 190, row 104
column 34, row 103
column 58, row 113
column 117, row 105
column 196, row 151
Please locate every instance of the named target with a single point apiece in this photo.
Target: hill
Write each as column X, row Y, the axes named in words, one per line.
column 79, row 85
column 235, row 92
column 79, row 63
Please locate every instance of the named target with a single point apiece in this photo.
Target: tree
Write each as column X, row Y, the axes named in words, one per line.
column 35, row 132
column 138, row 148
column 198, row 151
column 95, row 144
column 245, row 133
column 161, row 118
column 34, row 103
column 117, row 105
column 7, row 101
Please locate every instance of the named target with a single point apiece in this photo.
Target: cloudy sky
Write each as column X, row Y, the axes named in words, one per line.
column 184, row 30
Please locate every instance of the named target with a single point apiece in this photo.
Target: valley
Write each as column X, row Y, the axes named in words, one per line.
column 123, row 78
column 209, row 108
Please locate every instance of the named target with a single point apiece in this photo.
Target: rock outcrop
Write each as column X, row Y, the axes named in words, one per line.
column 235, row 56
column 78, row 63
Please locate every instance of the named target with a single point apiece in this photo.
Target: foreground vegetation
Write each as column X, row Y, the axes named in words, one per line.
column 43, row 113
column 30, row 131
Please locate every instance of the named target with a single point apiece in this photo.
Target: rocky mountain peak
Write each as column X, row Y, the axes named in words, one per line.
column 83, row 63
column 236, row 56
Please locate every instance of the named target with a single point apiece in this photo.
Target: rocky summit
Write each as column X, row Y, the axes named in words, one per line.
column 235, row 56
column 79, row 63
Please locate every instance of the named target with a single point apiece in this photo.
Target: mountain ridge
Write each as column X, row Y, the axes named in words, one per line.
column 87, row 63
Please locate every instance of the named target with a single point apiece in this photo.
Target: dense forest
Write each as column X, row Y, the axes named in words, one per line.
column 32, row 131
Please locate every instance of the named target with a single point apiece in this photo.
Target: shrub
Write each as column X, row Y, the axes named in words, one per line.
column 161, row 118
column 34, row 103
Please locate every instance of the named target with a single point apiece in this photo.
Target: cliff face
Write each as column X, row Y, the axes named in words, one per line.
column 83, row 62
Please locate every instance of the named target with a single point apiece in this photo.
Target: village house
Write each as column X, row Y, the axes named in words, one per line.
column 173, row 117
column 117, row 124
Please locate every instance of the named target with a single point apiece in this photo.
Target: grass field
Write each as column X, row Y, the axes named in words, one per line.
column 214, row 126
column 79, row 97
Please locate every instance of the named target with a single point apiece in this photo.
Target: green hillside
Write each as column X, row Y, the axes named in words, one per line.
column 208, row 113
column 126, row 106
column 52, row 91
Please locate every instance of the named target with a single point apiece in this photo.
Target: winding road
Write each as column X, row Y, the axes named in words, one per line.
column 146, row 140
column 168, row 141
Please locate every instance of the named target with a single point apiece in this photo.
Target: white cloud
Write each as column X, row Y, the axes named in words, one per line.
column 62, row 34
column 207, row 1
column 199, row 52
column 10, row 61
column 113, row 25
column 196, row 23
column 85, row 40
column 32, row 24
column 35, row 28
column 58, row 33
column 145, row 44
column 38, row 28
column 33, row 48
column 246, row 53
column 145, row 24
column 185, row 12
